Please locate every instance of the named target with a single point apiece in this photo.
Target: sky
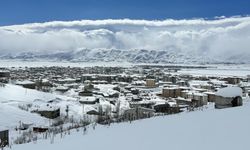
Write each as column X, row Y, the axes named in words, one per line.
column 29, row 11
column 182, row 26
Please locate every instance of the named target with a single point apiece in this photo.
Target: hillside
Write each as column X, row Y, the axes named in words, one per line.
column 226, row 129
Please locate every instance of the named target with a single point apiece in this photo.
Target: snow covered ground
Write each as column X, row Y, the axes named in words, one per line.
column 220, row 70
column 226, row 129
column 21, row 63
column 13, row 96
column 217, row 69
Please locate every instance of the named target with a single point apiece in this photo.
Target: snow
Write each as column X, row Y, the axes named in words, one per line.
column 49, row 63
column 88, row 98
column 220, row 70
column 226, row 129
column 10, row 117
column 13, row 96
column 229, row 92
column 24, row 82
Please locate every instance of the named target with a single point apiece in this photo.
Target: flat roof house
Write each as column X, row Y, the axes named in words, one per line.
column 228, row 97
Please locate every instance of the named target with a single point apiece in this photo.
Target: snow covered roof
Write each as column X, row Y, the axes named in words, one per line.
column 229, row 92
column 24, row 82
column 88, row 98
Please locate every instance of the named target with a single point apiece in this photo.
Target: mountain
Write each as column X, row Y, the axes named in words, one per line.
column 224, row 40
column 132, row 56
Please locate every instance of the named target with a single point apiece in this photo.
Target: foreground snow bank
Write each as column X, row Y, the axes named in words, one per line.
column 226, row 129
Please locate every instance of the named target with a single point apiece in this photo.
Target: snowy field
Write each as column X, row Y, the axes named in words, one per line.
column 17, row 63
column 209, row 129
column 220, row 69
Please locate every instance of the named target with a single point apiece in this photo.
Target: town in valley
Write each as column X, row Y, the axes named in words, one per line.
column 51, row 101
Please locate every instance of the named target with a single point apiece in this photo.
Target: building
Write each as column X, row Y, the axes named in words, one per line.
column 40, row 129
column 138, row 113
column 150, row 83
column 4, row 138
column 228, row 97
column 232, row 80
column 27, row 84
column 4, row 74
column 85, row 92
column 198, row 99
column 90, row 100
column 62, row 88
column 172, row 92
column 50, row 113
column 93, row 112
column 210, row 96
column 166, row 108
column 248, row 78
column 169, row 78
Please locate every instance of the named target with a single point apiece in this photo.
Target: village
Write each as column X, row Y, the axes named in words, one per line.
column 58, row 99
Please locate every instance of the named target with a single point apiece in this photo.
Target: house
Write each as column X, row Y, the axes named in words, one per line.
column 144, row 104
column 27, row 84
column 85, row 92
column 86, row 77
column 135, row 91
column 136, row 98
column 4, row 138
column 40, row 129
column 232, row 80
column 166, row 108
column 183, row 101
column 228, row 97
column 124, row 78
column 210, row 96
column 4, row 74
column 89, row 100
column 44, row 85
column 248, row 78
column 198, row 99
column 150, row 83
column 93, row 112
column 66, row 81
column 49, row 113
column 172, row 92
column 138, row 113
column 107, row 78
column 62, row 88
column 169, row 78
column 182, row 83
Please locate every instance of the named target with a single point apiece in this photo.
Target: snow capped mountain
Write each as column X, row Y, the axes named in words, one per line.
column 132, row 56
column 224, row 40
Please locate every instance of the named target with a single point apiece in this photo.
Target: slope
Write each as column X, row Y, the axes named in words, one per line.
column 226, row 129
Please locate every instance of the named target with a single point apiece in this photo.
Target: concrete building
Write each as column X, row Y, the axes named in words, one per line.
column 172, row 92
column 4, row 138
column 232, row 80
column 228, row 97
column 50, row 113
column 210, row 96
column 150, row 83
column 198, row 99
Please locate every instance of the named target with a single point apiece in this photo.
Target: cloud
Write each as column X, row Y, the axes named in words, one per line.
column 222, row 37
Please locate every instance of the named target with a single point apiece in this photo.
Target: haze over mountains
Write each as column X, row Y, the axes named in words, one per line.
column 221, row 40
